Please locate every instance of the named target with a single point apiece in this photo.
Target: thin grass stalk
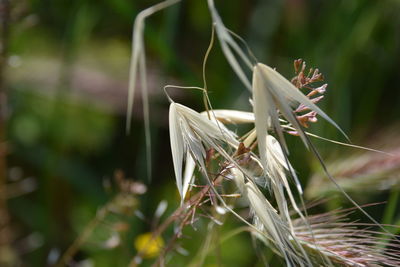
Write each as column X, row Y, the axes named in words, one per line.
column 78, row 242
column 227, row 43
column 138, row 64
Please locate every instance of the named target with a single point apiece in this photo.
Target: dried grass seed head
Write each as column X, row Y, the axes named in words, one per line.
column 191, row 134
column 274, row 95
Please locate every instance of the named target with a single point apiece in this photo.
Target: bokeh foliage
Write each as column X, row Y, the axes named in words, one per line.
column 68, row 132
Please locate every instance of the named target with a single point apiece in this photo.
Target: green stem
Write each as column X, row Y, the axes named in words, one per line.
column 389, row 215
column 5, row 232
column 390, row 210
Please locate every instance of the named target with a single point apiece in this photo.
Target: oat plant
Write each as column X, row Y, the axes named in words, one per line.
column 215, row 168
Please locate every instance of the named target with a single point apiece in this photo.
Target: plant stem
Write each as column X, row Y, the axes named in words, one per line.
column 390, row 210
column 4, row 214
column 71, row 251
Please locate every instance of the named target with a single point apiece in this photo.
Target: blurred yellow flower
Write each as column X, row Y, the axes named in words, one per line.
column 148, row 246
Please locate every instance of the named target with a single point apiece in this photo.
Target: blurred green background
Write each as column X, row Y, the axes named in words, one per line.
column 66, row 79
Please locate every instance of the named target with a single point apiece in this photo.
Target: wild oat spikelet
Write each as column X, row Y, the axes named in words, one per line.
column 191, row 134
